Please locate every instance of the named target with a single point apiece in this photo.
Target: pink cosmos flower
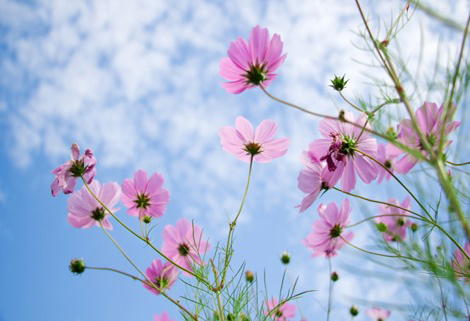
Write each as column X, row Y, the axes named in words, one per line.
column 163, row 276
column 254, row 63
column 183, row 244
column 163, row 317
column 378, row 314
column 431, row 121
column 283, row 313
column 461, row 264
column 339, row 149
column 85, row 211
column 66, row 175
column 387, row 156
column 243, row 143
column 328, row 230
column 396, row 225
column 145, row 197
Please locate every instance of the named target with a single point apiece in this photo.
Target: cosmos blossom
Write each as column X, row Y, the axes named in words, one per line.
column 461, row 264
column 163, row 317
column 339, row 148
column 283, row 313
column 431, row 121
column 66, row 175
column 163, row 276
column 145, row 196
column 396, row 225
column 378, row 314
column 244, row 143
column 183, row 244
column 328, row 231
column 84, row 209
column 254, row 63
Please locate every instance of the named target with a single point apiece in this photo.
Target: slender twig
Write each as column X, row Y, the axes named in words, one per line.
column 457, row 164
column 349, row 102
column 217, row 291
column 330, row 291
column 116, row 271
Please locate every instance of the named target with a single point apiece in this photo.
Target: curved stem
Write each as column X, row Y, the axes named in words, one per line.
column 350, row 103
column 116, row 271
column 175, row 302
column 383, row 215
column 457, row 164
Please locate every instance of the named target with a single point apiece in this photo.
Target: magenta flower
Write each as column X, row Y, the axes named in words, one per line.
column 244, row 144
column 396, row 225
column 145, row 197
column 163, row 317
column 461, row 264
column 431, row 121
column 254, row 63
column 387, row 156
column 339, row 149
column 66, row 175
column 378, row 314
column 84, row 209
column 183, row 244
column 283, row 313
column 163, row 276
column 328, row 231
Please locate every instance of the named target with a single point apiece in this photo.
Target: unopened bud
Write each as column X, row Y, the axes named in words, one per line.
column 414, row 227
column 341, row 115
column 354, row 310
column 392, row 133
column 381, row 227
column 147, row 219
column 339, row 83
column 77, row 266
column 285, row 257
column 334, row 276
column 249, row 276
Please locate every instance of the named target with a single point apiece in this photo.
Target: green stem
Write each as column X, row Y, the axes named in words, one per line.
column 116, row 271
column 330, row 291
column 458, row 164
column 217, row 291
column 350, row 103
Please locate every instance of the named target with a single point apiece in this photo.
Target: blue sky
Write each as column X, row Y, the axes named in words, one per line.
column 137, row 81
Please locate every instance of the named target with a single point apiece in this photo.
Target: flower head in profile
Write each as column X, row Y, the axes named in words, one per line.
column 84, row 209
column 279, row 313
column 163, row 276
column 378, row 314
column 244, row 143
column 340, row 149
column 145, row 196
column 328, row 231
column 395, row 219
column 183, row 244
column 163, row 317
column 432, row 122
column 66, row 175
column 461, row 263
column 254, row 63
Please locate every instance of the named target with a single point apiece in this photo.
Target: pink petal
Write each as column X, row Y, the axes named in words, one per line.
column 348, row 180
column 140, row 181
column 245, row 128
column 265, row 131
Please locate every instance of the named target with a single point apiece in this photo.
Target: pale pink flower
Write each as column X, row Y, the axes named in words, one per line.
column 183, row 244
column 396, row 225
column 66, row 175
column 254, row 63
column 461, row 264
column 163, row 276
column 283, row 313
column 387, row 156
column 244, row 143
column 145, row 197
column 163, row 317
column 84, row 209
column 431, row 121
column 339, row 149
column 378, row 314
column 328, row 231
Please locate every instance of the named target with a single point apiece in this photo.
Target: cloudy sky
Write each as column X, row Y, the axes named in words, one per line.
column 137, row 81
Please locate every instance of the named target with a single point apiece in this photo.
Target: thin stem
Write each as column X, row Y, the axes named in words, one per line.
column 383, row 215
column 177, row 303
column 217, row 291
column 330, row 291
column 350, row 103
column 457, row 164
column 137, row 235
column 116, row 271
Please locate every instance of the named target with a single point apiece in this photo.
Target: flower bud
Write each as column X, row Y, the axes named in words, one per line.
column 249, row 276
column 414, row 227
column 339, row 83
column 334, row 276
column 77, row 266
column 392, row 133
column 285, row 257
column 354, row 310
column 381, row 227
column 147, row 219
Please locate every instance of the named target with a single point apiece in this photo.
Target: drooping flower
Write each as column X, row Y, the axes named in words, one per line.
column 244, row 143
column 396, row 225
column 66, row 175
column 328, row 231
column 378, row 314
column 254, row 63
column 387, row 156
column 163, row 317
column 145, row 197
column 183, row 244
column 85, row 211
column 282, row 313
column 461, row 264
column 339, row 148
column 163, row 276
column 431, row 121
